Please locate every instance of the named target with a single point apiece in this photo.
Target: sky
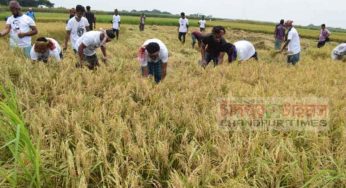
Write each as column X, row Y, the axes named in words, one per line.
column 303, row 12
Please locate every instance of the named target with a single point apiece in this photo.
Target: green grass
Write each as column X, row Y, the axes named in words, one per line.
column 20, row 157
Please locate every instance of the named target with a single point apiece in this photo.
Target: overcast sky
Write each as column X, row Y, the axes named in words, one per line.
column 303, row 12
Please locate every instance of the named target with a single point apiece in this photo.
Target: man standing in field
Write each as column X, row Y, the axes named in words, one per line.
column 87, row 44
column 142, row 22
column 183, row 27
column 212, row 46
column 293, row 44
column 339, row 52
column 279, row 34
column 241, row 50
column 324, row 36
column 90, row 16
column 202, row 24
column 153, row 57
column 21, row 27
column 45, row 48
column 196, row 36
column 76, row 27
column 31, row 14
column 116, row 23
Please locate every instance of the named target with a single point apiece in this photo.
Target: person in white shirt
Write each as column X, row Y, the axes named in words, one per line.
column 202, row 24
column 21, row 27
column 293, row 44
column 116, row 23
column 45, row 48
column 87, row 44
column 339, row 52
column 76, row 27
column 241, row 50
column 153, row 57
column 183, row 27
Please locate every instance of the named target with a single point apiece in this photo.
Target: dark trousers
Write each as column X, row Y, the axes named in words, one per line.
column 181, row 37
column 155, row 69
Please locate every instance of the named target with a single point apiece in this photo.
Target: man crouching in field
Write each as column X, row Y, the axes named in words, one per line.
column 87, row 44
column 45, row 48
column 241, row 50
column 153, row 57
column 21, row 27
column 212, row 46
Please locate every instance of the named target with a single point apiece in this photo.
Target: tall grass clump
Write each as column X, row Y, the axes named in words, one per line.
column 20, row 159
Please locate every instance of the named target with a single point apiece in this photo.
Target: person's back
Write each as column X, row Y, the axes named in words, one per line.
column 279, row 34
column 294, row 45
column 245, row 50
column 339, row 52
column 31, row 14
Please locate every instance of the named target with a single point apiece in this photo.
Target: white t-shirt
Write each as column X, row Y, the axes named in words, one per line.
column 294, row 45
column 340, row 50
column 77, row 29
column 245, row 50
column 202, row 23
column 91, row 40
column 183, row 24
column 55, row 53
column 116, row 20
column 18, row 25
column 163, row 55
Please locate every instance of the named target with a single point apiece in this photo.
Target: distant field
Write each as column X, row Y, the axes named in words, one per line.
column 252, row 27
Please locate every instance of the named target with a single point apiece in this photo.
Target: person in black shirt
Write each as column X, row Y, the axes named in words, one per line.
column 213, row 46
column 91, row 18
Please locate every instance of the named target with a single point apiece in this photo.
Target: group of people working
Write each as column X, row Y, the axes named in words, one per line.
column 153, row 54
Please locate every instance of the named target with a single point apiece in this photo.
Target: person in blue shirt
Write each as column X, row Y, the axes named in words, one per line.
column 31, row 14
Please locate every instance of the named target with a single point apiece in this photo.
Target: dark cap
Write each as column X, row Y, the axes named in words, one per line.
column 80, row 8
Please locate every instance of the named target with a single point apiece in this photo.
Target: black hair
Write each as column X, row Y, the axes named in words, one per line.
column 230, row 50
column 88, row 8
column 218, row 29
column 323, row 25
column 282, row 21
column 182, row 14
column 42, row 39
column 80, row 8
column 110, row 33
column 152, row 47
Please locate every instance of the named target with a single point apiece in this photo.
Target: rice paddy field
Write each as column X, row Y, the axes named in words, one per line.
column 67, row 127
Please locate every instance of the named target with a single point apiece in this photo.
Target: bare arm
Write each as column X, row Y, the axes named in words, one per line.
column 145, row 71
column 6, row 30
column 81, row 54
column 30, row 33
column 285, row 45
column 220, row 59
column 164, row 70
column 67, row 37
column 103, row 50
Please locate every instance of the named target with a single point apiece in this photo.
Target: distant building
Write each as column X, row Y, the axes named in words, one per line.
column 42, row 6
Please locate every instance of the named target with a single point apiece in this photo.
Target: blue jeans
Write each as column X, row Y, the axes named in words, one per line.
column 155, row 69
column 293, row 59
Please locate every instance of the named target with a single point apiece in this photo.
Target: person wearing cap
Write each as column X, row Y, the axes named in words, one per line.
column 241, row 50
column 324, row 36
column 116, row 23
column 44, row 48
column 90, row 16
column 196, row 36
column 21, row 27
column 212, row 46
column 31, row 14
column 76, row 27
column 153, row 57
column 183, row 27
column 279, row 34
column 339, row 52
column 293, row 44
column 87, row 44
column 202, row 24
